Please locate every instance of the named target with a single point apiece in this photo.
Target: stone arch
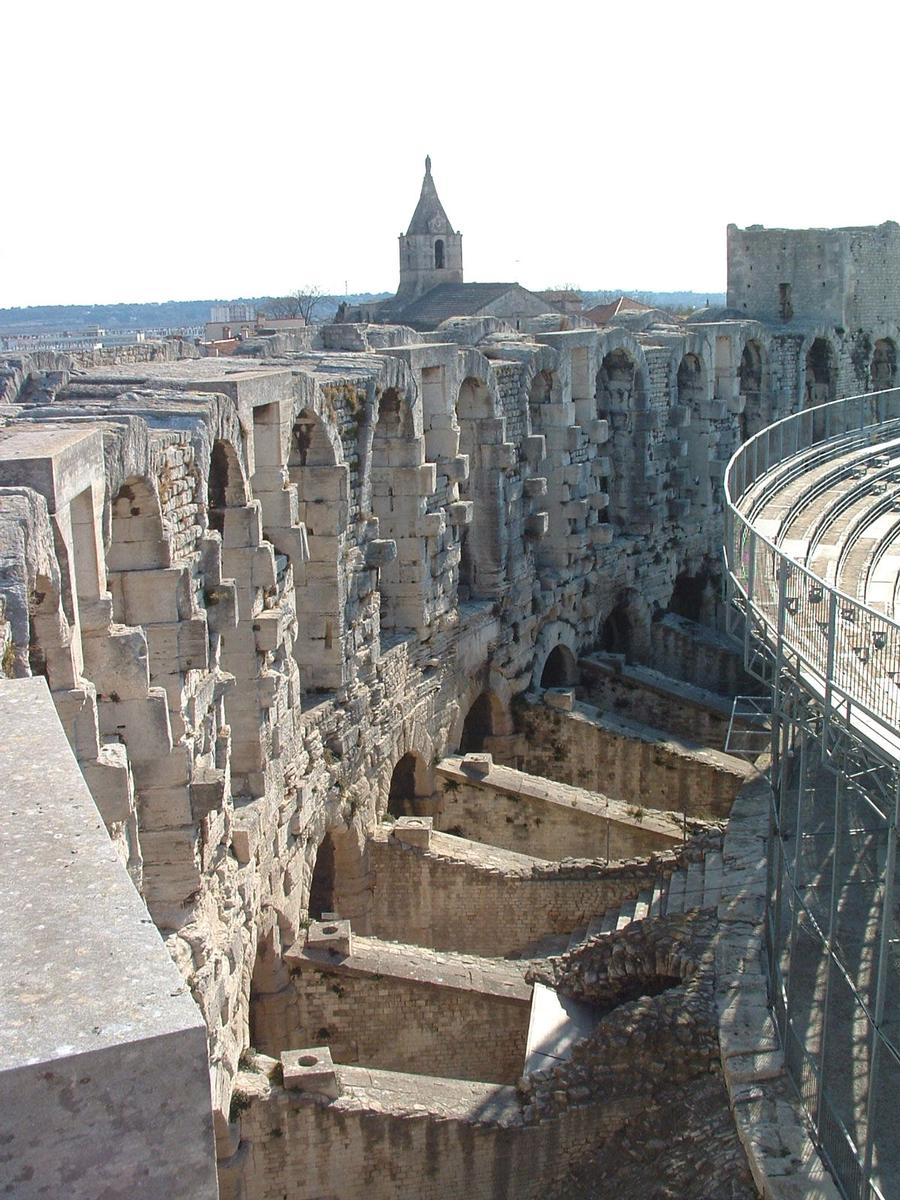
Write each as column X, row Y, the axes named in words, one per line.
column 485, row 719
column 621, row 394
column 226, row 484
column 820, row 374
column 560, row 668
column 555, row 634
column 695, row 593
column 482, row 546
column 626, row 628
column 412, row 739
column 692, row 383
column 884, row 364
column 323, row 497
column 340, row 878
column 137, row 542
column 398, row 502
column 410, row 783
column 751, row 378
column 542, row 391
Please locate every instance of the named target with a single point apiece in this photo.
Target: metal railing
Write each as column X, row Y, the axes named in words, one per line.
column 833, row 663
column 845, row 647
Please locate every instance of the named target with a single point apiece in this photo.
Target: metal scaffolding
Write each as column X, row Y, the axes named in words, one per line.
column 833, row 666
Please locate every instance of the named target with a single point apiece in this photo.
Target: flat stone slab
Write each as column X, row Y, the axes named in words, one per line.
column 556, row 1024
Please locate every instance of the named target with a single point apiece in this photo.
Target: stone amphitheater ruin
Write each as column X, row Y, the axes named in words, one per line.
column 377, row 817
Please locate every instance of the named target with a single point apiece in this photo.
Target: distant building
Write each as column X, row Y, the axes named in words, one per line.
column 432, row 289
column 604, row 314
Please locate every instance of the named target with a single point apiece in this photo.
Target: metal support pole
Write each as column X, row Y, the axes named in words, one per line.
column 887, row 918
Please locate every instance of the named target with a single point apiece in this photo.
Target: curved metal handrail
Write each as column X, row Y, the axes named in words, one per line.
column 848, row 651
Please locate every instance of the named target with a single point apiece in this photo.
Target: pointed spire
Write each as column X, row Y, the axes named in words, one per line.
column 429, row 217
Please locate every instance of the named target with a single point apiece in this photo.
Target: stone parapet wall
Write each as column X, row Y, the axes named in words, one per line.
column 487, row 901
column 391, row 1135
column 623, row 759
column 537, row 816
column 401, row 1008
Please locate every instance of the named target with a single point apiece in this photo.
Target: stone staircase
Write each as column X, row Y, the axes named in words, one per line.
column 557, row 1022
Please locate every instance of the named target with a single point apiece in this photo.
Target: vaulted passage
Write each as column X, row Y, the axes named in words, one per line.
column 560, row 669
column 819, row 374
column 402, row 794
column 481, row 564
column 478, row 725
column 884, row 365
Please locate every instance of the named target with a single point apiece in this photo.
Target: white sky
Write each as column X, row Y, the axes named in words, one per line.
column 192, row 150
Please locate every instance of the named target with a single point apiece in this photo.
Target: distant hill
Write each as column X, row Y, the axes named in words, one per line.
column 168, row 314
column 669, row 300
column 189, row 314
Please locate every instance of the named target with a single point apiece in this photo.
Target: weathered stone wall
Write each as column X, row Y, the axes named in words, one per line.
column 401, row 1009
column 491, row 902
column 631, row 762
column 392, row 1135
column 647, row 695
column 545, row 819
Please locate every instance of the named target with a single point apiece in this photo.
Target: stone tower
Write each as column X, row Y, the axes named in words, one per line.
column 430, row 251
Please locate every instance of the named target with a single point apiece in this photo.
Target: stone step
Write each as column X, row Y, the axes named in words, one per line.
column 642, row 906
column 556, row 1024
column 658, row 897
column 578, row 936
column 610, row 917
column 597, row 927
column 712, row 879
column 626, row 913
column 675, row 899
column 693, row 888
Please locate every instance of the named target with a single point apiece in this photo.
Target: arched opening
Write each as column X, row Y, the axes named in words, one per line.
column 539, row 394
column 322, row 885
column 692, row 395
column 884, row 365
column 403, row 790
column 619, row 395
column 439, row 255
column 137, row 543
column 695, row 597
column 340, row 881
column 616, row 636
column 323, row 497
column 819, row 374
column 478, row 725
column 398, row 508
column 560, row 669
column 218, row 488
column 751, row 383
column 225, row 487
column 481, row 548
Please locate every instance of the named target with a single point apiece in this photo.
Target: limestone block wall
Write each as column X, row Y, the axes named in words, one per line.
column 548, row 820
column 401, row 1008
column 480, row 900
column 650, row 696
column 633, row 763
column 392, row 1135
column 682, row 649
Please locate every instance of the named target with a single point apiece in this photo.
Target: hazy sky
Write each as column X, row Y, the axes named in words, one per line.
column 191, row 150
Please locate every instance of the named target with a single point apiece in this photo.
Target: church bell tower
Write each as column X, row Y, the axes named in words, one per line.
column 430, row 251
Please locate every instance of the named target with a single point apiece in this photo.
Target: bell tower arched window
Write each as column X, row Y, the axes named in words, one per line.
column 439, row 254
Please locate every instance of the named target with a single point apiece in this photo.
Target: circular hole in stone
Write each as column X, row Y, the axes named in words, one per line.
column 329, row 928
column 307, row 1060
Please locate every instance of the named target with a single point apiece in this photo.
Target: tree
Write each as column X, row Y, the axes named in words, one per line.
column 304, row 303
